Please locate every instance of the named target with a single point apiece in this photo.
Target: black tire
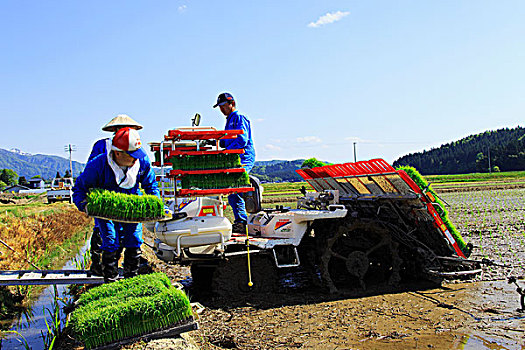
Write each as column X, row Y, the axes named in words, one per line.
column 355, row 255
column 202, row 276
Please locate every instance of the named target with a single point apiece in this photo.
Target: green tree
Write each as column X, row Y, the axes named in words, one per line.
column 313, row 163
column 22, row 181
column 9, row 177
column 2, row 185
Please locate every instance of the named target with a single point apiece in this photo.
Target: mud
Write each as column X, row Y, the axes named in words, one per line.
column 477, row 314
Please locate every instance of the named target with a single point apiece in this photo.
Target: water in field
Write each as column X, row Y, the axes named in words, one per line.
column 32, row 325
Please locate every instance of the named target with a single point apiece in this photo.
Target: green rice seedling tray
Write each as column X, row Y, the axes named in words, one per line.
column 208, row 181
column 125, row 288
column 143, row 307
column 170, row 332
column 122, row 207
column 206, row 161
column 440, row 209
column 163, row 218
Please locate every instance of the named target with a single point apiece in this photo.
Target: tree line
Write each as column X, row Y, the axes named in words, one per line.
column 9, row 177
column 506, row 148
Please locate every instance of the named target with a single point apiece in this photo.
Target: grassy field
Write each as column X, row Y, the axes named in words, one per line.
column 510, row 176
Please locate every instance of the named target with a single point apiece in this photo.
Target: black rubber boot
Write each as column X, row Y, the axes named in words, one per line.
column 239, row 227
column 109, row 266
column 96, row 253
column 131, row 261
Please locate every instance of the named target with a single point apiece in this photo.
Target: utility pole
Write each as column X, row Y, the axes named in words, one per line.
column 70, row 148
column 355, row 157
column 490, row 168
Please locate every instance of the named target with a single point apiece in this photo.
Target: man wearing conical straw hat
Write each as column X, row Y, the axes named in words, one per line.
column 126, row 169
column 103, row 146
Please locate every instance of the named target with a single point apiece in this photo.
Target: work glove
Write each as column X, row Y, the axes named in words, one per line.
column 167, row 212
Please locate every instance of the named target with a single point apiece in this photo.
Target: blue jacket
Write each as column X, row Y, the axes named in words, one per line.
column 98, row 148
column 236, row 121
column 98, row 174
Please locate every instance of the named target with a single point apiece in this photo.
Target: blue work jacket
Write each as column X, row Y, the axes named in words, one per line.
column 98, row 148
column 98, row 174
column 236, row 121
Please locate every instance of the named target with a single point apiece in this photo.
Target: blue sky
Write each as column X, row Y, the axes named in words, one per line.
column 312, row 76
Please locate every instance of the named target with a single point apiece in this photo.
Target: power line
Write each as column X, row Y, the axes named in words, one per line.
column 70, row 148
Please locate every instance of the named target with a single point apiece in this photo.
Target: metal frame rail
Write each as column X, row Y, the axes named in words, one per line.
column 47, row 277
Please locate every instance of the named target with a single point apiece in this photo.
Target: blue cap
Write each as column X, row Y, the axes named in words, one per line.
column 223, row 98
column 137, row 154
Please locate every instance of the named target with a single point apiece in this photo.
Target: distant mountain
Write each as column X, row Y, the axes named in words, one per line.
column 277, row 170
column 471, row 154
column 29, row 165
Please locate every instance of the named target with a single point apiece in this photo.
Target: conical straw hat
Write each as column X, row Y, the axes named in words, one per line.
column 121, row 121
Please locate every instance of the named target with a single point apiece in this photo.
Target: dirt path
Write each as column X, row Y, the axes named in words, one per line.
column 480, row 314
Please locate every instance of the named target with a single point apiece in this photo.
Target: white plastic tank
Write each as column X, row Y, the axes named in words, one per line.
column 195, row 231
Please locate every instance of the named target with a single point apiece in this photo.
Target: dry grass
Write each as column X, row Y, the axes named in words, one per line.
column 35, row 235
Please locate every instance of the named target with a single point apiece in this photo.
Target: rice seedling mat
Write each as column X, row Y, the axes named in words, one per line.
column 209, row 192
column 141, row 307
column 162, row 218
column 203, row 151
column 122, row 207
column 177, row 172
column 187, row 326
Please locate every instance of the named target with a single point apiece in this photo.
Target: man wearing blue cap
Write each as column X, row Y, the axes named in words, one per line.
column 237, row 121
column 121, row 170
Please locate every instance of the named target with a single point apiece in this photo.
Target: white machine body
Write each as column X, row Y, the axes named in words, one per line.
column 290, row 226
column 199, row 206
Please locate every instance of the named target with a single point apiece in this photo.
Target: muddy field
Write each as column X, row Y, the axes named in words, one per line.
column 477, row 314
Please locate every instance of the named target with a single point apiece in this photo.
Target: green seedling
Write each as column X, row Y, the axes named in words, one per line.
column 206, row 162
column 124, row 206
column 423, row 184
column 108, row 319
column 213, row 181
column 112, row 289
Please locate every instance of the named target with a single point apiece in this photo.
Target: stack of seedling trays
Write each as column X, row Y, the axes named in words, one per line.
column 143, row 307
column 167, row 146
column 205, row 171
column 122, row 207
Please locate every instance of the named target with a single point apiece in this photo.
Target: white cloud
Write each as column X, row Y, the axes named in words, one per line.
column 355, row 139
column 330, row 17
column 270, row 147
column 259, row 120
column 309, row 139
column 182, row 8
